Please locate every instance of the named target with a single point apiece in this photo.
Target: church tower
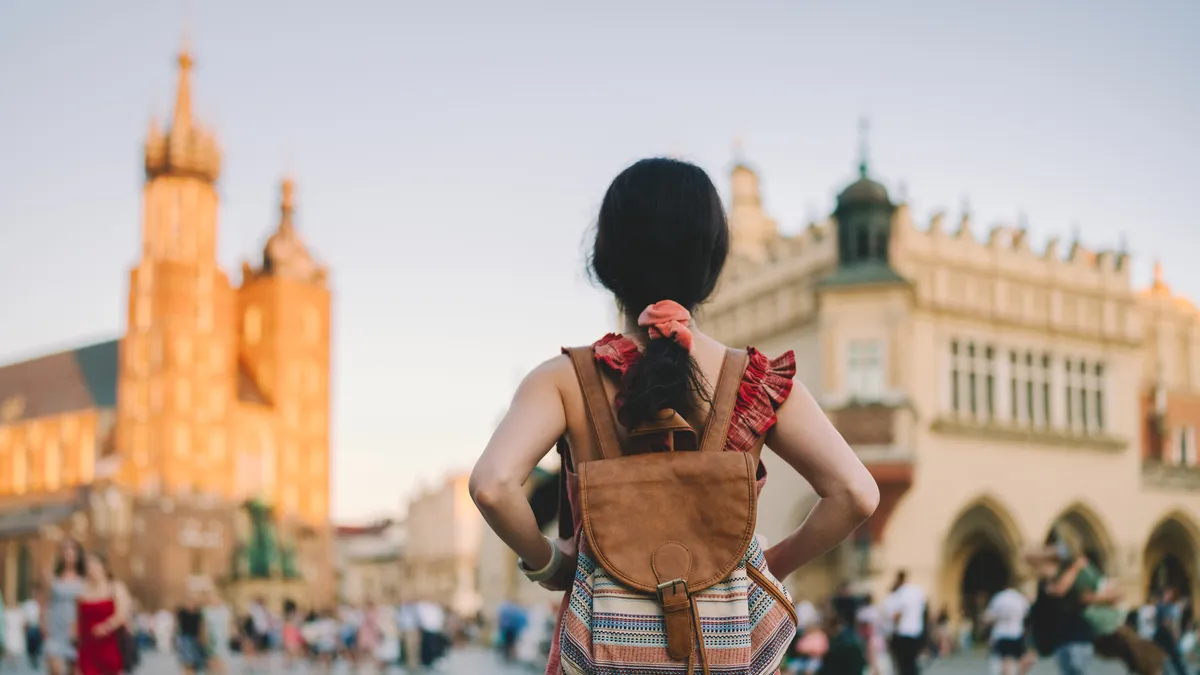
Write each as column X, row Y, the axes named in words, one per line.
column 177, row 363
column 752, row 229
column 284, row 345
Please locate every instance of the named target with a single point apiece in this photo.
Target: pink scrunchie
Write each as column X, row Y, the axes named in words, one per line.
column 668, row 319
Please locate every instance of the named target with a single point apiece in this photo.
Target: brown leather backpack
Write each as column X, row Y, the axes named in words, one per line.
column 665, row 525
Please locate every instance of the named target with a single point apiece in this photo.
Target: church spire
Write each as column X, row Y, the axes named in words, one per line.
column 182, row 122
column 186, row 148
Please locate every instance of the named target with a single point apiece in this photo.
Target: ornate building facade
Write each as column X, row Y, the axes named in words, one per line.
column 215, row 400
column 998, row 394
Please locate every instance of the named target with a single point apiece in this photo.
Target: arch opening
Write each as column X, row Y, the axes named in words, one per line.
column 1172, row 558
column 980, row 553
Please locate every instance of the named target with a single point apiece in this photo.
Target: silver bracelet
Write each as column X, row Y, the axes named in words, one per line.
column 549, row 570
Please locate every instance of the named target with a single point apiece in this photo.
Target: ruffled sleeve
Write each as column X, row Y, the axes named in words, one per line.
column 765, row 386
column 617, row 353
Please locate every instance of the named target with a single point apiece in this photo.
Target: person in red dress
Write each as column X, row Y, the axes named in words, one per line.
column 99, row 618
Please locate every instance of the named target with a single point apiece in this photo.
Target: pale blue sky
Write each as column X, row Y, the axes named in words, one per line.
column 450, row 156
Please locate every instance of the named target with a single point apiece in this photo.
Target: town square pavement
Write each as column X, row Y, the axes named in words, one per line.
column 481, row 662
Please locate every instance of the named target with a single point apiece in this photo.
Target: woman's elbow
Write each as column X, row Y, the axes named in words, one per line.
column 487, row 492
column 864, row 497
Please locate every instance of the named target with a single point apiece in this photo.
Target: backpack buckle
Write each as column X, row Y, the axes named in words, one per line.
column 672, row 585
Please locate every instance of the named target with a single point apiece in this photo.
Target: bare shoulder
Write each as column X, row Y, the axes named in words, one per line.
column 552, row 372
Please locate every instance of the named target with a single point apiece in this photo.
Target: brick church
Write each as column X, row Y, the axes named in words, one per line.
column 194, row 450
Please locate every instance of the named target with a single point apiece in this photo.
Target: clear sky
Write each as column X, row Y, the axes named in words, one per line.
column 450, row 157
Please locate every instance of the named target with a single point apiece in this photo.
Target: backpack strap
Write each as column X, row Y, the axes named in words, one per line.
column 724, row 400
column 595, row 400
column 566, row 518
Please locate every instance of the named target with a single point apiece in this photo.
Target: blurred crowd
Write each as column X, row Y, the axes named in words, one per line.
column 82, row 620
column 1075, row 617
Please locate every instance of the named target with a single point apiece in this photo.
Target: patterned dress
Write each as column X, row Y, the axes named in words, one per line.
column 765, row 385
column 61, row 612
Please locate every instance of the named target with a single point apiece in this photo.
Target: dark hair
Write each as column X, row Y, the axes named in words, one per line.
column 60, row 565
column 661, row 235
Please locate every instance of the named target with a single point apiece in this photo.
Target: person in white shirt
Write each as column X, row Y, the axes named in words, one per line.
column 1006, row 614
column 906, row 608
column 431, row 621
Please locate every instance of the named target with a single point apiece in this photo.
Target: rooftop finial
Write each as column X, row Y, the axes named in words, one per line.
column 863, row 128
column 287, row 203
column 182, row 122
column 1159, row 282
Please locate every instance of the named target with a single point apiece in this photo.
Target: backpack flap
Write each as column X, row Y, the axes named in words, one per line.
column 703, row 502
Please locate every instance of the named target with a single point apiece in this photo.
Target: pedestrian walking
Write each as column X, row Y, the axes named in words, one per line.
column 101, row 613
column 60, row 612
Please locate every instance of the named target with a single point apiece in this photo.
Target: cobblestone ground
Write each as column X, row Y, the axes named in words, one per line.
column 481, row 662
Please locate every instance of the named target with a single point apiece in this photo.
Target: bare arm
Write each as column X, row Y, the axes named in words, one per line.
column 124, row 604
column 806, row 439
column 534, row 421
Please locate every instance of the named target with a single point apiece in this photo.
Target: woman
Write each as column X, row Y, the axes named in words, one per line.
column 100, row 615
column 661, row 242
column 65, row 585
column 217, row 630
column 367, row 637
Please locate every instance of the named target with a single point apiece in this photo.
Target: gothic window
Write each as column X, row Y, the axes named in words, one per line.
column 142, row 314
column 183, row 395
column 1083, row 402
column 955, row 372
column 216, row 446
column 990, row 381
column 20, row 468
column 204, row 316
column 252, row 325
column 1014, row 389
column 156, row 395
column 312, row 324
column 1046, row 376
column 53, row 464
column 183, row 441
column 176, row 213
column 1098, row 395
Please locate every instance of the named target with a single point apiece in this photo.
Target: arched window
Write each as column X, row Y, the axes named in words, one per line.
column 252, row 325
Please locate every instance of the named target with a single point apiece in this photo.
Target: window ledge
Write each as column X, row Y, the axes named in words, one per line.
column 1006, row 432
column 1156, row 474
